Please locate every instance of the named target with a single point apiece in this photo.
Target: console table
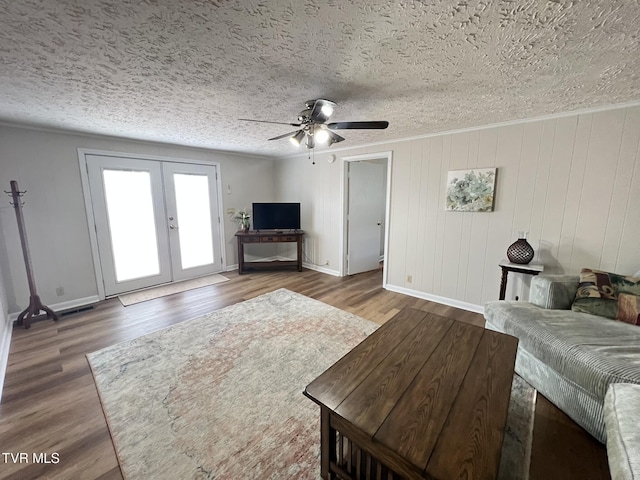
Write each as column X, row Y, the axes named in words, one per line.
column 268, row 236
column 506, row 266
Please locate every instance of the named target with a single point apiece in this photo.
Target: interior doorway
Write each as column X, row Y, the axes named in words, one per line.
column 154, row 221
column 366, row 187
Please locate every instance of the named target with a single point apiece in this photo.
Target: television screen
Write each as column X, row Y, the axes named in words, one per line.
column 276, row 216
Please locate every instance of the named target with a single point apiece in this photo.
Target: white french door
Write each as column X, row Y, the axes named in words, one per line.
column 191, row 200
column 155, row 221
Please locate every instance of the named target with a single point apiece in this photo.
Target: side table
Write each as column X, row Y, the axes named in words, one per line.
column 507, row 266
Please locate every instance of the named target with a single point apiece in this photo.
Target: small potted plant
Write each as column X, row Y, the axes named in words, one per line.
column 242, row 217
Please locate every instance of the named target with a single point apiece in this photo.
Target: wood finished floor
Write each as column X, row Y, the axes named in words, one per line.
column 50, row 403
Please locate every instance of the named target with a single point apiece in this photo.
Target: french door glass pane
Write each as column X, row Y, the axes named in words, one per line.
column 194, row 213
column 131, row 223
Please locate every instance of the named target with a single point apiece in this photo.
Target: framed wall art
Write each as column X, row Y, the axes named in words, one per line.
column 471, row 190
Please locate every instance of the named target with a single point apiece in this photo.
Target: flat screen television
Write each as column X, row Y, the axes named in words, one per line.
column 276, row 216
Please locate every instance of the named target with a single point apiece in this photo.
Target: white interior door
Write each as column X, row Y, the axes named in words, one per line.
column 155, row 222
column 193, row 216
column 365, row 215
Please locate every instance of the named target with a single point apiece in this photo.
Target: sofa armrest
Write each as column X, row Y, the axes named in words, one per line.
column 555, row 292
column 622, row 426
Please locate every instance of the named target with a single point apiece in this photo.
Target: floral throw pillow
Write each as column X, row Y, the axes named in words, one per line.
column 629, row 309
column 598, row 292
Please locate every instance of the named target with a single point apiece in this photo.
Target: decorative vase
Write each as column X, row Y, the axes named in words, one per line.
column 520, row 251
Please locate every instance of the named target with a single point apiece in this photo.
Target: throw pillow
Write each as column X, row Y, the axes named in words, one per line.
column 629, row 308
column 625, row 284
column 598, row 292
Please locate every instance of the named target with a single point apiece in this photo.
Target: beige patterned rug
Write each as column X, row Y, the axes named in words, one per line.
column 221, row 397
column 169, row 289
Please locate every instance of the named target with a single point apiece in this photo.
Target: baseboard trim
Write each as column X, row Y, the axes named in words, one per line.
column 436, row 298
column 64, row 306
column 321, row 269
column 4, row 353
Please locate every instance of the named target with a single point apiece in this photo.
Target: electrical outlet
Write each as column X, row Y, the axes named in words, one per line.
column 409, row 278
column 60, row 291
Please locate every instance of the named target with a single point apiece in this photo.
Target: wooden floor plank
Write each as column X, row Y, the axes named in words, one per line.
column 50, row 403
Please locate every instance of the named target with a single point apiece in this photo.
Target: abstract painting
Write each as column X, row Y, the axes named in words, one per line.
column 471, row 190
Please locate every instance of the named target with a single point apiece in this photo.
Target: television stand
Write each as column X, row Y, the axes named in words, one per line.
column 268, row 236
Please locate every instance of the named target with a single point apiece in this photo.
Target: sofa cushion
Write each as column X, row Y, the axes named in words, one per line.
column 629, row 308
column 598, row 292
column 554, row 291
column 586, row 349
column 622, row 424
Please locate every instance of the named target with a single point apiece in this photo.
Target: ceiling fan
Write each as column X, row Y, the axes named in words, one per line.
column 313, row 127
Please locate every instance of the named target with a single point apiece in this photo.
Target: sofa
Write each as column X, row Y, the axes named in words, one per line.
column 570, row 357
column 622, row 421
column 587, row 365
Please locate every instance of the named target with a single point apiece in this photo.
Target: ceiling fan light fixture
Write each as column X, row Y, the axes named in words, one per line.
column 297, row 138
column 327, row 109
column 322, row 136
column 314, row 129
column 320, row 110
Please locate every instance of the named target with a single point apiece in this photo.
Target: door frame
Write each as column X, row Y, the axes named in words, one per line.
column 88, row 204
column 344, row 198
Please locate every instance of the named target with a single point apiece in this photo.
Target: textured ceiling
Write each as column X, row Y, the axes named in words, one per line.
column 184, row 72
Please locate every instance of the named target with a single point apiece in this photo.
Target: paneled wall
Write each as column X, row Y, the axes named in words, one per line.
column 572, row 182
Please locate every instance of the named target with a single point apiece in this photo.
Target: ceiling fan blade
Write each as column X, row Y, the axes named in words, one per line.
column 290, row 134
column 335, row 138
column 321, row 110
column 267, row 121
column 376, row 125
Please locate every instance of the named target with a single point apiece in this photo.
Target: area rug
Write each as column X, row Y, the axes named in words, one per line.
column 221, row 397
column 169, row 289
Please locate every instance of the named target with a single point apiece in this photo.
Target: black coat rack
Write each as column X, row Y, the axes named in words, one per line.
column 35, row 305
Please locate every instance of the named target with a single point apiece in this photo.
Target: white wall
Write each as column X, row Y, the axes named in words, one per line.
column 318, row 189
column 5, row 334
column 45, row 163
column 572, row 182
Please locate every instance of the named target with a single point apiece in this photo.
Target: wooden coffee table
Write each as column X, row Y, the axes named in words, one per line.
column 422, row 397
